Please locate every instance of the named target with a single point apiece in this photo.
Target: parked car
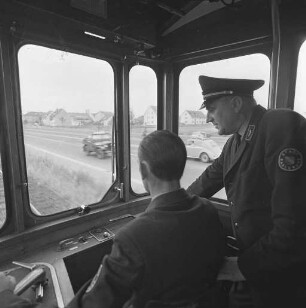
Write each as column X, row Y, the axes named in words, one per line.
column 200, row 135
column 206, row 149
column 99, row 143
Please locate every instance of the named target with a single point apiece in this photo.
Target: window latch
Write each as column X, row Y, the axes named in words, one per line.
column 120, row 189
column 83, row 209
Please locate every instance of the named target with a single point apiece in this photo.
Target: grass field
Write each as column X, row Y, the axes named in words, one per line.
column 54, row 186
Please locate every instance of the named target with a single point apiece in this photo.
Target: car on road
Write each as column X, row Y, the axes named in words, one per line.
column 99, row 143
column 200, row 135
column 204, row 149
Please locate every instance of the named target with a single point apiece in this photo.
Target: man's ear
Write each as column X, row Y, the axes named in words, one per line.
column 144, row 169
column 236, row 103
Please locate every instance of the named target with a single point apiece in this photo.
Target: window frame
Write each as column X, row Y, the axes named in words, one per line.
column 26, row 196
column 156, row 69
column 300, row 40
column 19, row 214
column 262, row 46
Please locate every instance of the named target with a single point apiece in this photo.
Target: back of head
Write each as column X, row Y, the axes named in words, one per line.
column 165, row 152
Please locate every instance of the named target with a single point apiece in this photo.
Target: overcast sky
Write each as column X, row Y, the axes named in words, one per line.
column 52, row 79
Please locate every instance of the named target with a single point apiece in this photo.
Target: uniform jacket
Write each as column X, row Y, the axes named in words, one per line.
column 265, row 182
column 170, row 253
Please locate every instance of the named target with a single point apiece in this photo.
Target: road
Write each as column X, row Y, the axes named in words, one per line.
column 63, row 146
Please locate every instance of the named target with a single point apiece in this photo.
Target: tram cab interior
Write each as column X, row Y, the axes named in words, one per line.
column 71, row 69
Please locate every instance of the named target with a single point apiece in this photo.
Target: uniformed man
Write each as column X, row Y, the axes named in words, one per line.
column 170, row 255
column 263, row 169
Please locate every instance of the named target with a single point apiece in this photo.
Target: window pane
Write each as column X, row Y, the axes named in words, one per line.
column 143, row 115
column 67, row 108
column 2, row 199
column 202, row 141
column 300, row 90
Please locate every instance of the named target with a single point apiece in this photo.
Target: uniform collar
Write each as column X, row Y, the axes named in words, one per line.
column 249, row 133
column 244, row 127
column 247, row 129
column 168, row 199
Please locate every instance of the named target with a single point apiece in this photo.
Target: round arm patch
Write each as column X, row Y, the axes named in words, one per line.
column 290, row 159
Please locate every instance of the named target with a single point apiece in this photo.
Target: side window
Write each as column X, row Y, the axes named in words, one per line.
column 143, row 115
column 67, row 105
column 2, row 199
column 300, row 90
column 203, row 144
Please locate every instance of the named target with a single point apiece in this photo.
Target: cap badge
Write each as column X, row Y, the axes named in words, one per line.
column 208, row 95
column 250, row 132
column 290, row 159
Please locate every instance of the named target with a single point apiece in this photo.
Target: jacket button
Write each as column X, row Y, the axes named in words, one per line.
column 236, row 224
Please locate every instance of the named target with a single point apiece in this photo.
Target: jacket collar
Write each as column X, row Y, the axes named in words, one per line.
column 167, row 200
column 248, row 136
column 251, row 130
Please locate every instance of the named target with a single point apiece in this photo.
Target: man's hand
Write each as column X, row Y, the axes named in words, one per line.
column 230, row 270
column 7, row 282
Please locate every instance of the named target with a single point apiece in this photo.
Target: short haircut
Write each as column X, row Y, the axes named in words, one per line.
column 165, row 152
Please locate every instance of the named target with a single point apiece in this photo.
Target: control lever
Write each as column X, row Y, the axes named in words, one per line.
column 29, row 266
column 121, row 217
column 39, row 292
column 36, row 276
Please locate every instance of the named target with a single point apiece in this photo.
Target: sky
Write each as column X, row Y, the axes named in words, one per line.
column 255, row 66
column 51, row 79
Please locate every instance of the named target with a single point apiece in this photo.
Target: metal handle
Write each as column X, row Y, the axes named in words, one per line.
column 62, row 245
column 121, row 217
column 36, row 276
column 120, row 189
column 29, row 266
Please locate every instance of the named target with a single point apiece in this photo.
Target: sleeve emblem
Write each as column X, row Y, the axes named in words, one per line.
column 290, row 159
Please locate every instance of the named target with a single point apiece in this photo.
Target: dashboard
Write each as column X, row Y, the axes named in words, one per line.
column 54, row 274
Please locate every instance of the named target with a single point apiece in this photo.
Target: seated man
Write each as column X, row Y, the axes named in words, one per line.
column 169, row 256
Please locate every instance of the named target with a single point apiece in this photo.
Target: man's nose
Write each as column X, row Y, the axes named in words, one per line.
column 208, row 117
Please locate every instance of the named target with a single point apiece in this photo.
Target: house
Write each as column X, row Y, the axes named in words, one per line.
column 105, row 118
column 192, row 117
column 150, row 116
column 138, row 120
column 33, row 117
column 59, row 117
column 80, row 118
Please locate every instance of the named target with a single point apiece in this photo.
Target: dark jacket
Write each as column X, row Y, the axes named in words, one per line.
column 170, row 253
column 265, row 182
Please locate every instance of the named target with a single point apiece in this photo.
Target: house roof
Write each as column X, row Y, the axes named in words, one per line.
column 196, row 114
column 154, row 108
column 107, row 114
column 79, row 115
column 55, row 113
column 34, row 114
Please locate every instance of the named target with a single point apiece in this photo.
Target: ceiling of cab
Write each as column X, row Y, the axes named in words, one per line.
column 142, row 20
column 167, row 27
column 156, row 28
column 148, row 20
